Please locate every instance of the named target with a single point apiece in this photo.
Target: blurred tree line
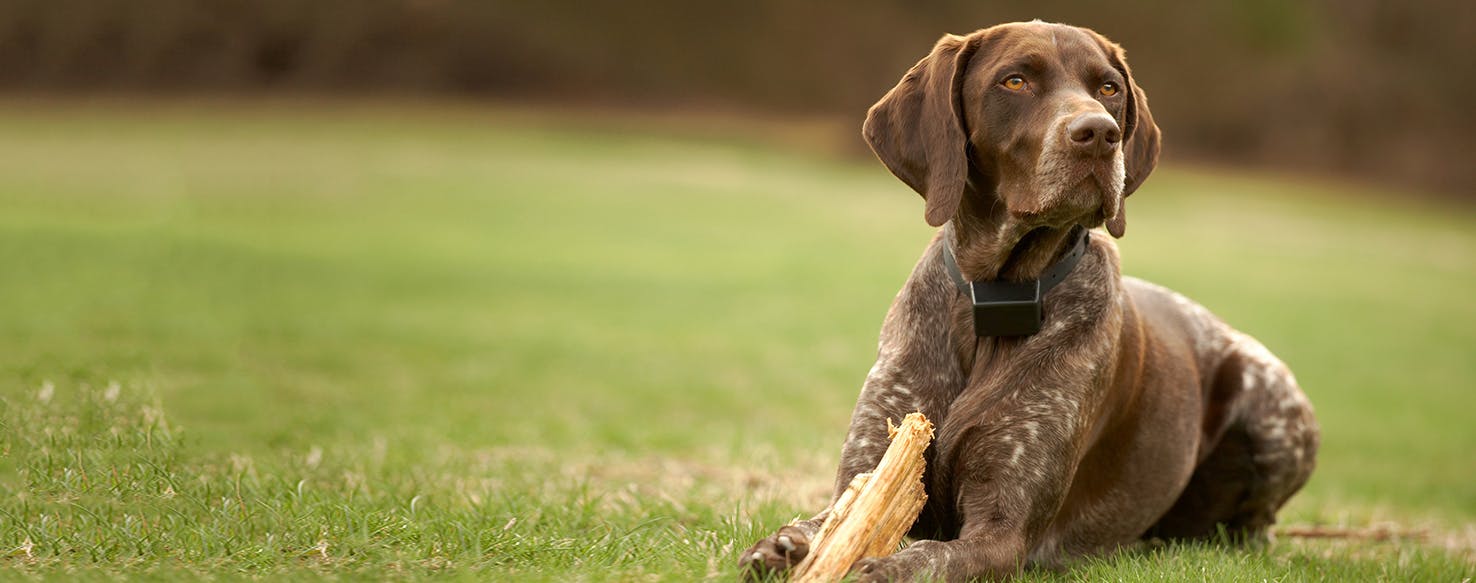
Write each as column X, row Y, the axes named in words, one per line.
column 1379, row 88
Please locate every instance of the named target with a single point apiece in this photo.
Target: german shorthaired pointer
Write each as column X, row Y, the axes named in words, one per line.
column 1122, row 411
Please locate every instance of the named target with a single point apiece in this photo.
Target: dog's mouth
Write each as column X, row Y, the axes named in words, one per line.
column 1071, row 189
column 1094, row 196
column 1103, row 177
column 1108, row 175
column 1090, row 199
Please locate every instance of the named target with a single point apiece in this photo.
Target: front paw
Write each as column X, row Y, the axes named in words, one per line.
column 775, row 554
column 915, row 562
column 875, row 570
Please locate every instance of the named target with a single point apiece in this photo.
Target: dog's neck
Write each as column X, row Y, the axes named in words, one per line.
column 991, row 245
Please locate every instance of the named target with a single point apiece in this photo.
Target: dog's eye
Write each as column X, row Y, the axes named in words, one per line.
column 1108, row 89
column 1013, row 83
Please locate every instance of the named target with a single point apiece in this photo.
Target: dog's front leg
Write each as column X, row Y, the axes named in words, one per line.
column 917, row 369
column 889, row 393
column 1006, row 453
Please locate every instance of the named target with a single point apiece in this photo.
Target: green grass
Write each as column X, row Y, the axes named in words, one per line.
column 370, row 341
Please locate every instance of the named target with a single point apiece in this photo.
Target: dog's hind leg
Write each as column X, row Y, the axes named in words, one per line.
column 1264, row 451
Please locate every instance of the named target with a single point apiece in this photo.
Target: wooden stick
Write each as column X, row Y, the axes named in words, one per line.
column 1375, row 533
column 876, row 510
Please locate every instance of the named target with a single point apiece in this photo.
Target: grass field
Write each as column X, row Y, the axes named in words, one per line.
column 398, row 341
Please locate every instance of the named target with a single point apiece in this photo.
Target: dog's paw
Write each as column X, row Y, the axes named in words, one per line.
column 775, row 554
column 915, row 562
column 875, row 570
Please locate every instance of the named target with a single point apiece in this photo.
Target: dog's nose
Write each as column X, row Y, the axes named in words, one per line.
column 1094, row 133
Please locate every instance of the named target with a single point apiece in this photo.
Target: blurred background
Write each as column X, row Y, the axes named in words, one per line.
column 1364, row 87
column 585, row 291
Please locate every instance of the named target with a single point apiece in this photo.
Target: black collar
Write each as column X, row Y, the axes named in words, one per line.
column 1004, row 308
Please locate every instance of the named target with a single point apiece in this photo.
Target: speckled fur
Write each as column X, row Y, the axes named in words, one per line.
column 1133, row 413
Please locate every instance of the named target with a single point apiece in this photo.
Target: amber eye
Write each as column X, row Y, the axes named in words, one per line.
column 1108, row 89
column 1013, row 83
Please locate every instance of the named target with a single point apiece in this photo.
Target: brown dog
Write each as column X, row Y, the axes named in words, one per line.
column 1133, row 412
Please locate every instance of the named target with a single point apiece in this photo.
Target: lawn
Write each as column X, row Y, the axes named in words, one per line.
column 317, row 340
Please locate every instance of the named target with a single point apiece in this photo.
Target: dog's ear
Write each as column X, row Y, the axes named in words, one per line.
column 917, row 128
column 1140, row 139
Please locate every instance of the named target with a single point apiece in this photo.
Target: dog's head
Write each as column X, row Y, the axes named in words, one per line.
column 1046, row 117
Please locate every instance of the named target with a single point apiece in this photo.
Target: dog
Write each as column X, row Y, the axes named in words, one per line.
column 1132, row 413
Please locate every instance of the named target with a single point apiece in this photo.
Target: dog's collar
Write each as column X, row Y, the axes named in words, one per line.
column 1003, row 308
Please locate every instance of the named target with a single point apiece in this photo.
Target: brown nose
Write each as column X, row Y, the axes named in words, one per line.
column 1094, row 134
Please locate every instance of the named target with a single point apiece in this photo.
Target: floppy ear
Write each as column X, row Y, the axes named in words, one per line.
column 917, row 128
column 1139, row 141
